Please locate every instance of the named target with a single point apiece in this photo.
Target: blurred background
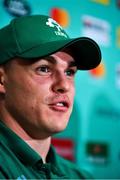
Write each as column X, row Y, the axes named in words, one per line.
column 92, row 138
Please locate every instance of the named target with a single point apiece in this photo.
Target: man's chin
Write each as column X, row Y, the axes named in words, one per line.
column 59, row 129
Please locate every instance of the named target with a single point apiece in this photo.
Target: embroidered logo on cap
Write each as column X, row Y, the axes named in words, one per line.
column 52, row 23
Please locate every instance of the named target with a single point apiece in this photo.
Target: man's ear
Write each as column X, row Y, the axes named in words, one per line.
column 2, row 88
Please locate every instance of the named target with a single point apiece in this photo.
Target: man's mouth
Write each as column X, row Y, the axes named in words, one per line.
column 61, row 105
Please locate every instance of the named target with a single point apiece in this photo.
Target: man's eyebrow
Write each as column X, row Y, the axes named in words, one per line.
column 72, row 63
column 52, row 60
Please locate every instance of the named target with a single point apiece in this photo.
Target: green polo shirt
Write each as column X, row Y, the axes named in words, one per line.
column 19, row 161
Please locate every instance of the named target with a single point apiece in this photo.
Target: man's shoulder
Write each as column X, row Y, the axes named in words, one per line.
column 4, row 154
column 70, row 168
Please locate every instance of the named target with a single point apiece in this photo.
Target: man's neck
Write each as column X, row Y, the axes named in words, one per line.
column 40, row 146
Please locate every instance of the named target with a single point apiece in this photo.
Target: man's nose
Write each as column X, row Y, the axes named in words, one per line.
column 61, row 83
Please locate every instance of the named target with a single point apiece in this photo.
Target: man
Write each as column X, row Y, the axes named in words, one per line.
column 38, row 62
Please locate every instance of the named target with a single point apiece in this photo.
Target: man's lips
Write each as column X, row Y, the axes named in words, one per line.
column 60, row 104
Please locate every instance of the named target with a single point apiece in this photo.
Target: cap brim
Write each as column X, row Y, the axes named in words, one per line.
column 85, row 51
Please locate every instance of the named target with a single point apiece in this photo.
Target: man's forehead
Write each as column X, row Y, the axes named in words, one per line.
column 62, row 56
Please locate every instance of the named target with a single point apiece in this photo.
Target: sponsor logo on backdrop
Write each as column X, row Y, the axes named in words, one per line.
column 117, row 71
column 99, row 71
column 17, row 7
column 105, row 109
column 64, row 147
column 118, row 37
column 61, row 16
column 97, row 152
column 109, row 112
column 103, row 128
column 104, row 2
column 98, row 29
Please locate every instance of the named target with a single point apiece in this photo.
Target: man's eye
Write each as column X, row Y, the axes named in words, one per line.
column 70, row 72
column 43, row 69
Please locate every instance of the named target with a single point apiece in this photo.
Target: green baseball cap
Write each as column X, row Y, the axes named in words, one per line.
column 37, row 36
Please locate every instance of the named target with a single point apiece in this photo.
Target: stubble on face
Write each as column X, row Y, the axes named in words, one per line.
column 29, row 98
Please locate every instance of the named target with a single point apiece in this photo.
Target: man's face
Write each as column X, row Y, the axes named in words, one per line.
column 39, row 95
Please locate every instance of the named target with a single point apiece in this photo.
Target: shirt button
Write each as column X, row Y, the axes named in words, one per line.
column 39, row 165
